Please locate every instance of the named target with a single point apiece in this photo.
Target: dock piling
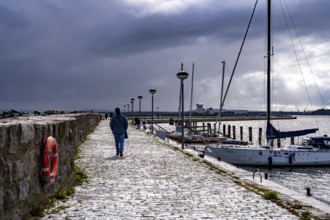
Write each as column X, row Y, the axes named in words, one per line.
column 229, row 131
column 278, row 142
column 224, row 129
column 260, row 136
column 234, row 132
column 250, row 134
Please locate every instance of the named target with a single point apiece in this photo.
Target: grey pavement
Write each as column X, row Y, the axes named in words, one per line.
column 153, row 181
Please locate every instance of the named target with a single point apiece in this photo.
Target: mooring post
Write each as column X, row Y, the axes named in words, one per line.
column 229, row 130
column 250, row 134
column 209, row 128
column 278, row 142
column 224, row 130
column 260, row 136
column 234, row 132
column 266, row 176
column 292, row 140
column 241, row 132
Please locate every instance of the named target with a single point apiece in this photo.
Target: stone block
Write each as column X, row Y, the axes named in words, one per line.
column 7, row 170
column 17, row 215
column 27, row 134
column 9, row 199
column 3, row 136
column 53, row 130
column 1, row 200
column 31, row 167
column 18, row 170
column 37, row 187
column 71, row 135
column 24, row 187
column 2, row 172
column 41, row 133
column 13, row 132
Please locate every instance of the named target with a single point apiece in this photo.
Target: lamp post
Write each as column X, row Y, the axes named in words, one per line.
column 152, row 92
column 132, row 102
column 140, row 97
column 182, row 76
column 124, row 108
column 127, row 109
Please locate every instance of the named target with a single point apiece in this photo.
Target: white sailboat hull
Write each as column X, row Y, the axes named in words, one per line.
column 266, row 157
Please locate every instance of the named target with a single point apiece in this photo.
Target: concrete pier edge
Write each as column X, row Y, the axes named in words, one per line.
column 290, row 197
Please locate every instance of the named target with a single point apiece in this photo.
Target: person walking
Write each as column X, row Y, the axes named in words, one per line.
column 119, row 125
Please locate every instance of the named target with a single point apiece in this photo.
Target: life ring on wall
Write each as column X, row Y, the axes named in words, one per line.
column 49, row 160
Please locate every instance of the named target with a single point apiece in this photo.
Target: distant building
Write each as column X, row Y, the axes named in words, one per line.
column 211, row 111
column 199, row 108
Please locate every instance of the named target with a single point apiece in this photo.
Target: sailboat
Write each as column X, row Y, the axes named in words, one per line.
column 314, row 151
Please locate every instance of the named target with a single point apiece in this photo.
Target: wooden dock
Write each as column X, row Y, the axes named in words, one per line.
column 176, row 120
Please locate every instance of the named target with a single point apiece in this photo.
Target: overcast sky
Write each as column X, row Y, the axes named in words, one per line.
column 98, row 54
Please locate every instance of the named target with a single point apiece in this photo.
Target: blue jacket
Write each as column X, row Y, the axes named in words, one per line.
column 118, row 124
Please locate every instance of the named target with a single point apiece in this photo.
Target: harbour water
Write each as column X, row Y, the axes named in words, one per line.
column 298, row 179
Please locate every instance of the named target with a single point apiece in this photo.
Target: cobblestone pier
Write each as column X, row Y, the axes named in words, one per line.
column 153, row 181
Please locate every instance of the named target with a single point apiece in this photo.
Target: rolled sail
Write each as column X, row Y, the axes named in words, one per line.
column 273, row 133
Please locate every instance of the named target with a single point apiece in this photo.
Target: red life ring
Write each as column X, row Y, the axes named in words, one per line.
column 49, row 160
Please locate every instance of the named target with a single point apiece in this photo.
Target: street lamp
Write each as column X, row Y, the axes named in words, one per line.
column 152, row 92
column 124, row 108
column 132, row 102
column 127, row 109
column 182, row 76
column 140, row 97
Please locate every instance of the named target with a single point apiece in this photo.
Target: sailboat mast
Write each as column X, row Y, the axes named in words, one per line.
column 192, row 90
column 222, row 85
column 268, row 60
column 221, row 97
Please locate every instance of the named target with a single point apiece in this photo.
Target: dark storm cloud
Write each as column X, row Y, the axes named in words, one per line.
column 92, row 54
column 153, row 32
column 10, row 19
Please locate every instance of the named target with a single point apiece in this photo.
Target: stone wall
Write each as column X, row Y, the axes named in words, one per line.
column 21, row 143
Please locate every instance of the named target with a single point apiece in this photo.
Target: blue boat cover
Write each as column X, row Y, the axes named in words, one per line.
column 272, row 133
